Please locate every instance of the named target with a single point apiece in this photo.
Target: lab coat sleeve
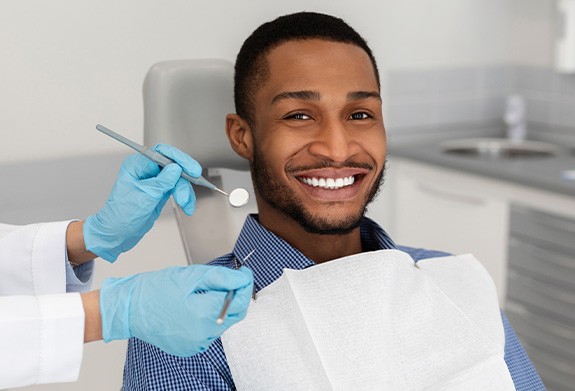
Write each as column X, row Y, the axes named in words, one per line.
column 41, row 339
column 33, row 261
column 41, row 326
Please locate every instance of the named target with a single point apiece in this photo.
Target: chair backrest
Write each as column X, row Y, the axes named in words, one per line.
column 185, row 105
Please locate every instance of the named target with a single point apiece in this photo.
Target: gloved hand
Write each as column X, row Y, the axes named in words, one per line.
column 139, row 194
column 176, row 308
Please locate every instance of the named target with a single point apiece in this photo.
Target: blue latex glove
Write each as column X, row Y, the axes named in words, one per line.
column 139, row 194
column 176, row 308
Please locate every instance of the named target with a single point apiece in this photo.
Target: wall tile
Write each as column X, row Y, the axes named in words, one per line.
column 563, row 114
column 564, row 84
column 409, row 82
column 497, row 79
column 451, row 96
column 550, row 98
column 533, row 79
column 408, row 114
column 455, row 80
column 493, row 108
column 538, row 110
column 457, row 111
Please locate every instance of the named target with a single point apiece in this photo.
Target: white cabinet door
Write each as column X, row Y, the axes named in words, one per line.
column 444, row 210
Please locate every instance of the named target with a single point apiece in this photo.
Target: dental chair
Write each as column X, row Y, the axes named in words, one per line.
column 185, row 105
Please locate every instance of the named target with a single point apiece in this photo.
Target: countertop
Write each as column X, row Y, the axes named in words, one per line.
column 538, row 172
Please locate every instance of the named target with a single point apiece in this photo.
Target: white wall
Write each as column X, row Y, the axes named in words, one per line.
column 71, row 64
column 533, row 31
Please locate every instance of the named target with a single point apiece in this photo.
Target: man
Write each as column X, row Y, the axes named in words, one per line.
column 309, row 120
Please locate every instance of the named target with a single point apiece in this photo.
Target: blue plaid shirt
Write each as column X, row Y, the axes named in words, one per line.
column 149, row 368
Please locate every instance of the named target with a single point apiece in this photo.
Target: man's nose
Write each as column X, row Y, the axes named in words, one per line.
column 334, row 141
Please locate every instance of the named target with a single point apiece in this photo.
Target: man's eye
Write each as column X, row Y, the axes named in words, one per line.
column 298, row 116
column 360, row 115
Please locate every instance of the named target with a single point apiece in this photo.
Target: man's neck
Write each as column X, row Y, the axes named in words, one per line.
column 318, row 248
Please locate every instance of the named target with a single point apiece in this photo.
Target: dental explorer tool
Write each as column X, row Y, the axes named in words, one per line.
column 237, row 198
column 229, row 297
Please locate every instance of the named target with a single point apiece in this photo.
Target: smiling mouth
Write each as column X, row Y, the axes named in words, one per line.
column 329, row 183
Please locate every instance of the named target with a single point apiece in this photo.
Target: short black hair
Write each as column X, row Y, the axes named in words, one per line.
column 251, row 69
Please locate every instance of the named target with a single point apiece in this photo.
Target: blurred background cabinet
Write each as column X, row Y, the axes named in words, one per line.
column 450, row 211
column 541, row 292
column 525, row 238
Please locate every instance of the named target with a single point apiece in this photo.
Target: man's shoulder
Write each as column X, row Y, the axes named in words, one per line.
column 422, row 253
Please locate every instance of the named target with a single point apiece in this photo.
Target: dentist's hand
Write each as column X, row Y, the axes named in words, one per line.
column 139, row 194
column 176, row 308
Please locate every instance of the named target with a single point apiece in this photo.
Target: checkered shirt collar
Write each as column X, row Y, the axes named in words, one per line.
column 273, row 254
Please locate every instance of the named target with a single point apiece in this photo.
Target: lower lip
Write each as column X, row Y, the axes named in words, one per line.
column 342, row 194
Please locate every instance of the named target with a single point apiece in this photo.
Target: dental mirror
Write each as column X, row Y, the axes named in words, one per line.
column 239, row 197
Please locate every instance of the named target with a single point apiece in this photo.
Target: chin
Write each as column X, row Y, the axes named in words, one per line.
column 326, row 226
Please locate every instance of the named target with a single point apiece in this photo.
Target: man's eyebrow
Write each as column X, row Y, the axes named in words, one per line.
column 360, row 95
column 301, row 95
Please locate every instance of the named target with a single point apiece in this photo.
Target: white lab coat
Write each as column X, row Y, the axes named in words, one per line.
column 41, row 326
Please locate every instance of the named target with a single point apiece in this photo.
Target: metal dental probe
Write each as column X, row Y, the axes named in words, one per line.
column 229, row 297
column 238, row 197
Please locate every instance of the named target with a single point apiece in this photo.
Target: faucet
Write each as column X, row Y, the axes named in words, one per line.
column 515, row 110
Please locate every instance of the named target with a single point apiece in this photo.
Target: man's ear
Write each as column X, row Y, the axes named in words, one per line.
column 240, row 136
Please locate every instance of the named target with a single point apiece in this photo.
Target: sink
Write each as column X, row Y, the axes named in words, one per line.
column 498, row 148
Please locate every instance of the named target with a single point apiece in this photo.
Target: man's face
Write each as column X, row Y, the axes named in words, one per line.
column 319, row 142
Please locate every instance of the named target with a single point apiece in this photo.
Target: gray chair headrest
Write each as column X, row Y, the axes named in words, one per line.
column 185, row 104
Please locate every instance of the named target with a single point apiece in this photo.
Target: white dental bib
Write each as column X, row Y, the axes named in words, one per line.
column 373, row 321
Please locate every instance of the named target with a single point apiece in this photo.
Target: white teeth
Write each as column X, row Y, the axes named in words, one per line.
column 329, row 183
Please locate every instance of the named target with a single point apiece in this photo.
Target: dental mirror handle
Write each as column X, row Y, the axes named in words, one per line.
column 163, row 161
column 158, row 158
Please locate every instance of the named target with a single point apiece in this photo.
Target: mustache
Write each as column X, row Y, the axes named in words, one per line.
column 328, row 164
